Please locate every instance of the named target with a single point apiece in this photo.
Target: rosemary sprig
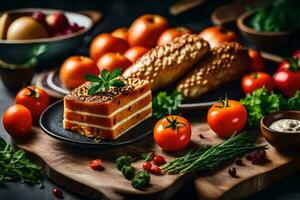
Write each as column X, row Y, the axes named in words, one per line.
column 210, row 158
column 105, row 81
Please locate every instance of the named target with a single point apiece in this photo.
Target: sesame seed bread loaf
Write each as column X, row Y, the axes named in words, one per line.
column 165, row 64
column 224, row 63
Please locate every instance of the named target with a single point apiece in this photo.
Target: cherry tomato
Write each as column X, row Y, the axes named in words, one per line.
column 105, row 43
column 171, row 33
column 121, row 33
column 296, row 54
column 57, row 192
column 159, row 160
column 257, row 80
column 134, row 53
column 156, row 170
column 33, row 98
column 17, row 121
column 227, row 117
column 147, row 166
column 111, row 61
column 96, row 164
column 215, row 35
column 172, row 133
column 74, row 69
column 146, row 29
column 287, row 76
column 257, row 61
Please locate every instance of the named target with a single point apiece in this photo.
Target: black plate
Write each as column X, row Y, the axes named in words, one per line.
column 51, row 122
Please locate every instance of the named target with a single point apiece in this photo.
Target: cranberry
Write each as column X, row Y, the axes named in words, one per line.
column 96, row 164
column 147, row 166
column 232, row 172
column 156, row 170
column 57, row 193
column 250, row 156
column 159, row 160
column 239, row 162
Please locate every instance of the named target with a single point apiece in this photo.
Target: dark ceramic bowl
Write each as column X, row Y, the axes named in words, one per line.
column 279, row 140
column 262, row 39
column 58, row 48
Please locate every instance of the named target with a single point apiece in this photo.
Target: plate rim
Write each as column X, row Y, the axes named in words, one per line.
column 76, row 142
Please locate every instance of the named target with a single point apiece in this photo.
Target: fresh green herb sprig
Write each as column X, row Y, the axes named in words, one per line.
column 209, row 159
column 260, row 103
column 16, row 166
column 147, row 156
column 141, row 180
column 165, row 104
column 123, row 161
column 105, row 81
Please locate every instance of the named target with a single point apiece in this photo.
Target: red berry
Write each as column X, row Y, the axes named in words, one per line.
column 159, row 160
column 57, row 192
column 96, row 164
column 239, row 162
column 147, row 166
column 156, row 170
column 39, row 17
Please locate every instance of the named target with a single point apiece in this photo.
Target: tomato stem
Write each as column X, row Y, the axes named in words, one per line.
column 32, row 93
column 174, row 123
column 294, row 64
column 224, row 102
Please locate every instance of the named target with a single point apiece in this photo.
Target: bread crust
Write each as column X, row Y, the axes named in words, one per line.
column 165, row 64
column 224, row 63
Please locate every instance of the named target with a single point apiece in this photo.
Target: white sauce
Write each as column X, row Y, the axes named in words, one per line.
column 286, row 125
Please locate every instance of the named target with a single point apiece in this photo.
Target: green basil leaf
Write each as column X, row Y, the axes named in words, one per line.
column 104, row 74
column 115, row 73
column 94, row 88
column 117, row 83
column 92, row 78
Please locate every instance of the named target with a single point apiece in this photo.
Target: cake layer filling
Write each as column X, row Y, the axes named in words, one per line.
column 117, row 124
column 94, row 131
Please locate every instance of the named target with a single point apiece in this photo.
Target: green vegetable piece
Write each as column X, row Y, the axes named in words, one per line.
column 105, row 81
column 165, row 104
column 260, row 103
column 141, row 180
column 123, row 161
column 128, row 171
column 294, row 102
column 147, row 156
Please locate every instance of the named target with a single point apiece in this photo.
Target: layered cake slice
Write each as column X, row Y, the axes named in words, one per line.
column 110, row 113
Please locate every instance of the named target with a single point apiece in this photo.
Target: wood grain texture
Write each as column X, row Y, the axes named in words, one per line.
column 68, row 167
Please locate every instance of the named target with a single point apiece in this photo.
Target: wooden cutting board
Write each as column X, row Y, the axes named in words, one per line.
column 68, row 167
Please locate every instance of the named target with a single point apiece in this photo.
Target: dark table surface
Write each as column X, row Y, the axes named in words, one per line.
column 121, row 13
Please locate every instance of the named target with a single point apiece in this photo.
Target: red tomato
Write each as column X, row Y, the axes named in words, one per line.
column 121, row 33
column 257, row 61
column 147, row 166
column 33, row 98
column 257, row 80
column 172, row 133
column 146, row 29
column 105, row 43
column 287, row 76
column 215, row 35
column 134, row 53
column 156, row 170
column 111, row 61
column 74, row 69
column 227, row 117
column 296, row 54
column 159, row 160
column 171, row 33
column 96, row 164
column 17, row 121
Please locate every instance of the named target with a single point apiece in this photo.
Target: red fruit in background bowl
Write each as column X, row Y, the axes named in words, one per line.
column 40, row 17
column 57, row 22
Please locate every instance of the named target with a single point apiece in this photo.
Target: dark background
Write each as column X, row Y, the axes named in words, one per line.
column 117, row 13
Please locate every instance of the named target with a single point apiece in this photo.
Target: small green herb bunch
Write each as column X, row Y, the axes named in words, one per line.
column 105, row 81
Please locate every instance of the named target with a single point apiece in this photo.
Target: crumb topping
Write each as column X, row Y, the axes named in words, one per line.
column 81, row 92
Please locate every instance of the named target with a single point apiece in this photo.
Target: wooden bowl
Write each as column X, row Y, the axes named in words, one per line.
column 262, row 39
column 279, row 140
column 58, row 48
